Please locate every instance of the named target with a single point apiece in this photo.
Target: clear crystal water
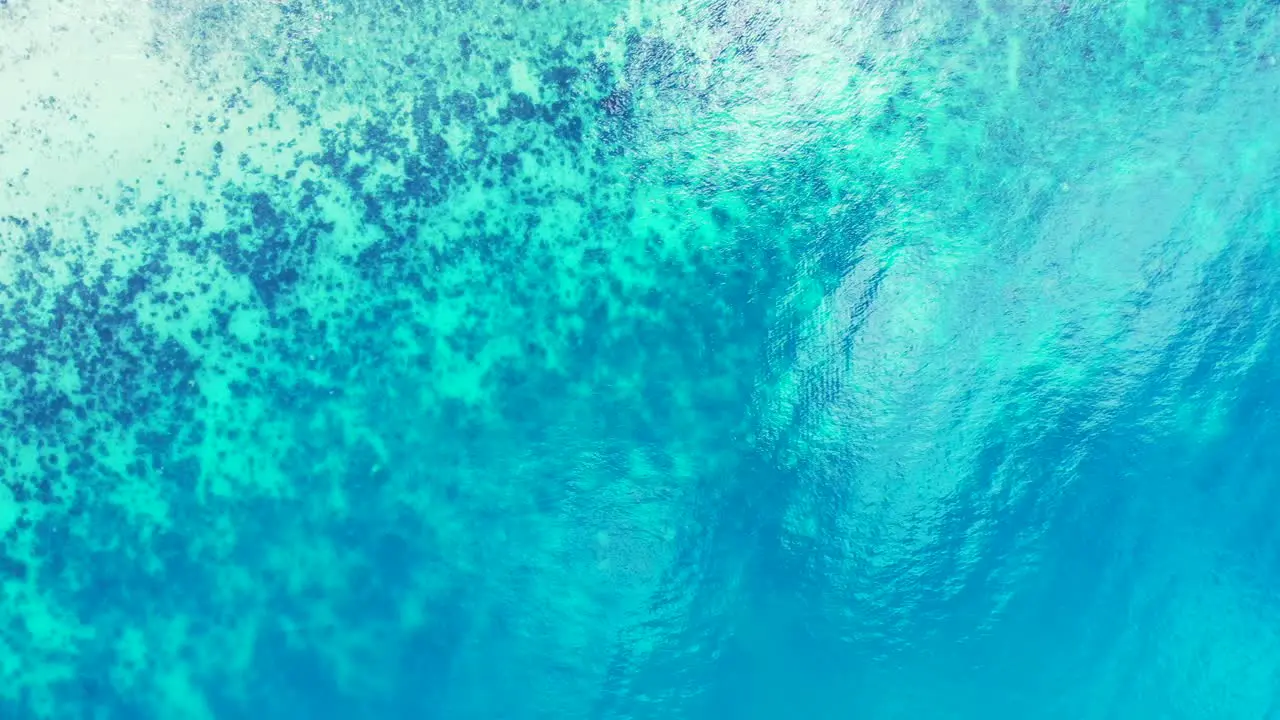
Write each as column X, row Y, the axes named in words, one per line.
column 481, row 359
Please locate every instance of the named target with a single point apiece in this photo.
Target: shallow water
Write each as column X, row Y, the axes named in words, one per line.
column 664, row 359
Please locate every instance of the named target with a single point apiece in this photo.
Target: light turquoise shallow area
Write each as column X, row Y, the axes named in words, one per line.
column 662, row 359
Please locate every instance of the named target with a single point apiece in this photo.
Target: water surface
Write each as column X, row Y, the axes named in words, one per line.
column 480, row 359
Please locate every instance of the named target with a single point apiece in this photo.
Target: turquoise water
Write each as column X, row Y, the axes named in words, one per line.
column 483, row 359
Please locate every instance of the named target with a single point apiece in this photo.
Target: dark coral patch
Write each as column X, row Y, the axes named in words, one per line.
column 561, row 77
column 520, row 107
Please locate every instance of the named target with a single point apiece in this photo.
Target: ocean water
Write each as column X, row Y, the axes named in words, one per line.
column 555, row 359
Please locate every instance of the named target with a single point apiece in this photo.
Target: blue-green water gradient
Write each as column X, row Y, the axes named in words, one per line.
column 481, row 359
